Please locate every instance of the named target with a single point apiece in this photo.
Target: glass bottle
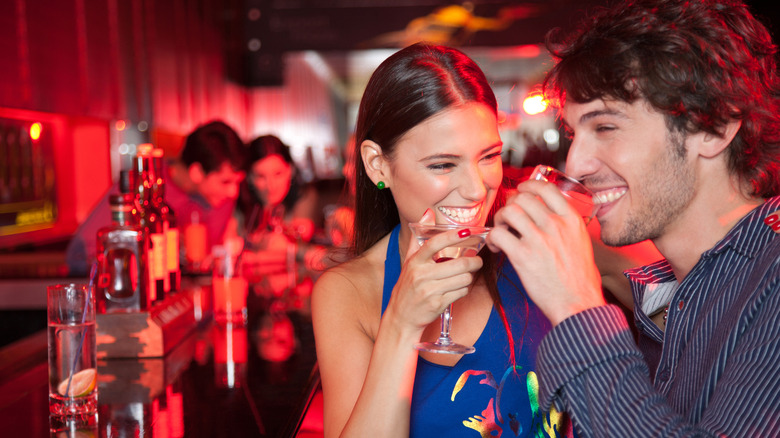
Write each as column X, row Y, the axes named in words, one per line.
column 150, row 221
column 122, row 248
column 169, row 223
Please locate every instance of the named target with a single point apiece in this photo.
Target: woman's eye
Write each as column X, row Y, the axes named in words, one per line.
column 603, row 128
column 441, row 166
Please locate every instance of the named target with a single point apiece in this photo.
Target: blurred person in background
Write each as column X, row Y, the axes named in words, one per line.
column 205, row 181
column 201, row 187
column 277, row 210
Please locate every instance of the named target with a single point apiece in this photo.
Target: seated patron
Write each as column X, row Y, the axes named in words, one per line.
column 277, row 209
column 201, row 188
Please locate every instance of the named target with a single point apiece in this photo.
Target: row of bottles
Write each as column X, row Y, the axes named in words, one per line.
column 138, row 254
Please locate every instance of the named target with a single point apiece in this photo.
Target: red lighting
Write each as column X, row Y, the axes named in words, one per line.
column 527, row 51
column 120, row 125
column 534, row 104
column 35, row 131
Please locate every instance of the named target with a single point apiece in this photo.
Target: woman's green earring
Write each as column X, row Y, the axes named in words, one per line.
column 380, row 185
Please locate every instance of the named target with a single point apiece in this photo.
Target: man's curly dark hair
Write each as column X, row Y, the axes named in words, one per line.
column 701, row 63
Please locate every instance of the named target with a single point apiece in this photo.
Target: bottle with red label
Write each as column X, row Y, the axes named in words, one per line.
column 169, row 223
column 152, row 223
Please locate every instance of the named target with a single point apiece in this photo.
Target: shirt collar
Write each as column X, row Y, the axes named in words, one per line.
column 747, row 238
column 751, row 233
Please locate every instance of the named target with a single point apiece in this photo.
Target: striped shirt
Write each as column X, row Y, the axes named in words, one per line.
column 715, row 371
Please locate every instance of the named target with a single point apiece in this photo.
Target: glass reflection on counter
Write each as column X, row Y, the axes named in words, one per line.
column 230, row 355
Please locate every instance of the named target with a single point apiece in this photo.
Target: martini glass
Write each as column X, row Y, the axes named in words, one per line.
column 579, row 196
column 469, row 246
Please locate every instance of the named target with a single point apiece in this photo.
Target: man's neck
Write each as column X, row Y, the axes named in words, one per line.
column 704, row 223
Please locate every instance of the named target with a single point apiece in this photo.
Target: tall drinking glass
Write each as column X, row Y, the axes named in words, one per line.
column 469, row 246
column 230, row 290
column 72, row 351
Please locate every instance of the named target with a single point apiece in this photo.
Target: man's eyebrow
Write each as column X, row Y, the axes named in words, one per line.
column 596, row 113
column 601, row 112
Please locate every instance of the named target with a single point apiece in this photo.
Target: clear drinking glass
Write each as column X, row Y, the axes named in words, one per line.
column 230, row 289
column 72, row 351
column 469, row 246
column 579, row 196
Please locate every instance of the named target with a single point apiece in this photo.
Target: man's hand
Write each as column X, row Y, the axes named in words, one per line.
column 546, row 241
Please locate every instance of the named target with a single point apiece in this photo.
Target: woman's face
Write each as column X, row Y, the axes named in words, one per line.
column 271, row 177
column 450, row 163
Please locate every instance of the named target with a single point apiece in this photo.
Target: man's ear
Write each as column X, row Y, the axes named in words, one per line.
column 711, row 145
column 375, row 163
column 196, row 173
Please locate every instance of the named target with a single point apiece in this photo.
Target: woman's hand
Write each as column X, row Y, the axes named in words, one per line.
column 302, row 228
column 425, row 288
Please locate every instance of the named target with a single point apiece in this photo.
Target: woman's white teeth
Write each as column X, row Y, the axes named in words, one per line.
column 609, row 196
column 462, row 215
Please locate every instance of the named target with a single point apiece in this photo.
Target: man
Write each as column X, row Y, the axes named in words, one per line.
column 206, row 180
column 202, row 185
column 673, row 110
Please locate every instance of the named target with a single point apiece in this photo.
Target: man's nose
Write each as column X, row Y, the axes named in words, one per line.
column 581, row 159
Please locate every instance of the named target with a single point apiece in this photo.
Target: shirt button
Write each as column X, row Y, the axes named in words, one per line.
column 663, row 375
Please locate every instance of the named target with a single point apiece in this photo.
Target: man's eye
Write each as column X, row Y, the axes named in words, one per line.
column 492, row 156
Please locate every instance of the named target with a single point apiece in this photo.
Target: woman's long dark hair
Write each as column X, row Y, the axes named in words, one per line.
column 406, row 89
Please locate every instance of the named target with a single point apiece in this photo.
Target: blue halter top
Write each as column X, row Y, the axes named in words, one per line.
column 483, row 393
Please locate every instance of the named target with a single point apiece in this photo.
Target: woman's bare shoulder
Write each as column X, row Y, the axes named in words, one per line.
column 352, row 277
column 353, row 287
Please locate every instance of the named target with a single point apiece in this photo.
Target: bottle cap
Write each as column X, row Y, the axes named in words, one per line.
column 144, row 150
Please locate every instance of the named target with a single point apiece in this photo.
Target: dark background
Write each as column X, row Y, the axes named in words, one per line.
column 343, row 25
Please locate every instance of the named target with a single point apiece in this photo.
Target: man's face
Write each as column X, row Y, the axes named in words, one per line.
column 638, row 169
column 221, row 185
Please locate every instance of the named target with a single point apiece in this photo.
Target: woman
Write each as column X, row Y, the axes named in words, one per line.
column 277, row 198
column 427, row 136
column 277, row 210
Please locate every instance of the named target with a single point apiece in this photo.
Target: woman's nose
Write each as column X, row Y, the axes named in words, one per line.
column 473, row 186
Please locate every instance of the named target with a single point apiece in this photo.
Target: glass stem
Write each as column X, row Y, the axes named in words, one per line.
column 446, row 322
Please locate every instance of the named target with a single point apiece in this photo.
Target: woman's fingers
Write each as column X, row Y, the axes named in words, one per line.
column 425, row 287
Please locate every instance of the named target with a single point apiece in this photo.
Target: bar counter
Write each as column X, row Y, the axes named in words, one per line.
column 219, row 380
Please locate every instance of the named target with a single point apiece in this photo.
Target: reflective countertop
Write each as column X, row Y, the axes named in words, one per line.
column 221, row 380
